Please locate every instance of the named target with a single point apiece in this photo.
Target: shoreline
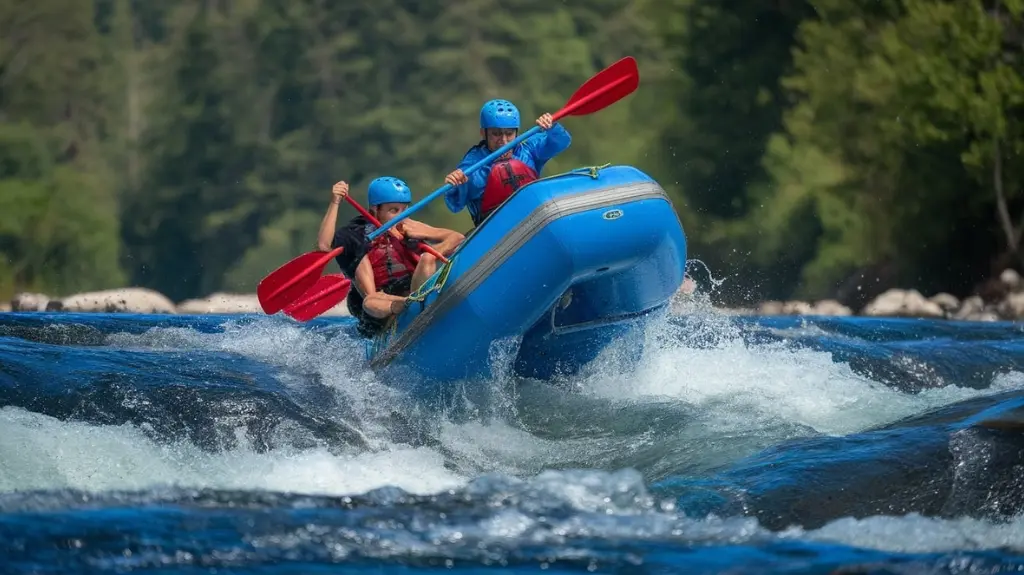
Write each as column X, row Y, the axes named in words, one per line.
column 1007, row 304
column 1003, row 301
column 144, row 300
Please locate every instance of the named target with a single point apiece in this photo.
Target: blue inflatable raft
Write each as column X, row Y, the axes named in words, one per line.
column 563, row 268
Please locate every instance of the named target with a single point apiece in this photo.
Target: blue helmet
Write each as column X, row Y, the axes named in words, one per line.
column 386, row 190
column 499, row 114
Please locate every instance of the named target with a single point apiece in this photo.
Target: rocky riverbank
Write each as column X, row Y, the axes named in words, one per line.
column 142, row 300
column 1004, row 301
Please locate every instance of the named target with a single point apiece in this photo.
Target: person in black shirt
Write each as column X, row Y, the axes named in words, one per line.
column 353, row 238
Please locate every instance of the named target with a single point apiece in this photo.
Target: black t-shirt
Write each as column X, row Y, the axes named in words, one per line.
column 352, row 237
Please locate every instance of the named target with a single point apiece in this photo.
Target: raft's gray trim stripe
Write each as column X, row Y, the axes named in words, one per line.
column 540, row 217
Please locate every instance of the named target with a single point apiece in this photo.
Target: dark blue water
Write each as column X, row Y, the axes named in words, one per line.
column 240, row 444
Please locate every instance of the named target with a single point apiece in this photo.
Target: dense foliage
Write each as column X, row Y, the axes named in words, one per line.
column 813, row 148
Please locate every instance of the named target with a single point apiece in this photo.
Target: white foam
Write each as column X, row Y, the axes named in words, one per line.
column 745, row 383
column 914, row 533
column 497, row 447
column 41, row 452
column 338, row 361
column 742, row 382
column 746, row 394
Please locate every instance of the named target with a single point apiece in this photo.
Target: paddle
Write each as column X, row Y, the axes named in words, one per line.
column 426, row 247
column 290, row 281
column 600, row 91
column 326, row 293
column 300, row 278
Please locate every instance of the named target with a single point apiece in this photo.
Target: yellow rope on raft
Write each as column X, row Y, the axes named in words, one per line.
column 434, row 283
column 591, row 171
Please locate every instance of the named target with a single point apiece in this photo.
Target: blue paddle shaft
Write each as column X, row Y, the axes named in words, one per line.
column 433, row 195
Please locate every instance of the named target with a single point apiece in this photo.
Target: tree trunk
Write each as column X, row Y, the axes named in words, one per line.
column 1012, row 235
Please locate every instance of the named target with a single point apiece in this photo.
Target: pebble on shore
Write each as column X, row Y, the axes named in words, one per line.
column 910, row 303
column 1007, row 304
column 143, row 300
column 892, row 303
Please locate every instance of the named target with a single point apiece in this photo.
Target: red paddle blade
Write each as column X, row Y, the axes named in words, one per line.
column 283, row 285
column 602, row 90
column 326, row 293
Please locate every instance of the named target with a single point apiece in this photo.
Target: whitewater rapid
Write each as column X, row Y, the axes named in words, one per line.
column 257, row 405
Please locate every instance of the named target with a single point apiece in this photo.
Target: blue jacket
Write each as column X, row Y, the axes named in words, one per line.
column 535, row 151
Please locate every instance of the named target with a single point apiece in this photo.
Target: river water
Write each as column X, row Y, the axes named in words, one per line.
column 248, row 444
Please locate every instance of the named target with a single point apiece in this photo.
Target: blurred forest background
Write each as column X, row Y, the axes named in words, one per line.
column 825, row 148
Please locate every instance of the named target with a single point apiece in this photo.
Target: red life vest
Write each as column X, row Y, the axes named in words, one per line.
column 391, row 260
column 505, row 179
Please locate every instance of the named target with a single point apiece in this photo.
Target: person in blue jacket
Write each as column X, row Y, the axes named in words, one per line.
column 484, row 190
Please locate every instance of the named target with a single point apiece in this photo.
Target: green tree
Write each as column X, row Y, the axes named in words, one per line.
column 58, row 208
column 716, row 108
column 190, row 214
column 892, row 143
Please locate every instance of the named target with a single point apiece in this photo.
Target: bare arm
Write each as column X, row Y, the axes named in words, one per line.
column 376, row 303
column 381, row 305
column 444, row 240
column 325, row 237
column 326, row 234
column 364, row 278
column 451, row 240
